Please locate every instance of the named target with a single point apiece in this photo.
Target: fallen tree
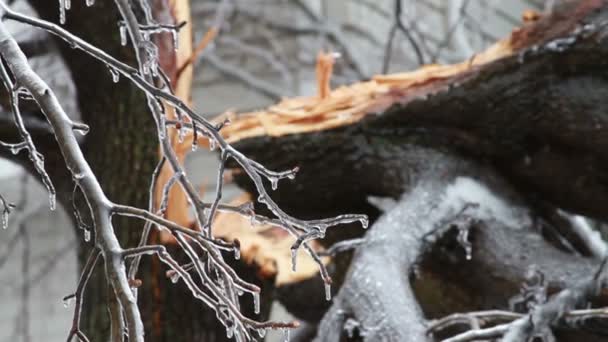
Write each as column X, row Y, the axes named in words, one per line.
column 493, row 153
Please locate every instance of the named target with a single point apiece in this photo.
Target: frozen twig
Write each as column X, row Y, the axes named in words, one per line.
column 87, row 270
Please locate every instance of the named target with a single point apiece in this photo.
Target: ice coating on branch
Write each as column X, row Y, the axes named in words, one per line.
column 150, row 57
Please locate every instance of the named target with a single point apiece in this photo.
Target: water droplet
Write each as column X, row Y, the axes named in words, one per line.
column 237, row 252
column 327, row 292
column 262, row 332
column 212, row 144
column 90, row 3
column 87, row 235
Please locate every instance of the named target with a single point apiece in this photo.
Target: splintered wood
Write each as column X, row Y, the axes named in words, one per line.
column 269, row 247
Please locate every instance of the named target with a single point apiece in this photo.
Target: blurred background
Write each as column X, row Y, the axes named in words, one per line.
column 266, row 50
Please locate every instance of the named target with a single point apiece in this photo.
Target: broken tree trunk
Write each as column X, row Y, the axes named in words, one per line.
column 526, row 117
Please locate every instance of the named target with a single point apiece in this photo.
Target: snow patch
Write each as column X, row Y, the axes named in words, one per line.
column 466, row 190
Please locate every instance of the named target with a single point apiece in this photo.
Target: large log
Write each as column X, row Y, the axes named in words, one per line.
column 529, row 110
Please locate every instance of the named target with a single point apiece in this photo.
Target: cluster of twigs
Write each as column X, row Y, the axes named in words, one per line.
column 564, row 309
column 209, row 278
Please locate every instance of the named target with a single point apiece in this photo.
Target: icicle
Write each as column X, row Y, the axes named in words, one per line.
column 286, row 337
column 52, row 201
column 229, row 332
column 274, row 182
column 68, row 4
column 194, row 145
column 327, row 292
column 463, row 240
column 16, row 148
column 292, row 175
column 62, row 9
column 87, row 235
column 174, row 278
column 181, row 134
column 294, row 255
column 81, row 128
column 67, row 301
column 364, row 222
column 237, row 253
column 123, row 35
column 115, row 74
column 212, row 144
column 256, row 302
column 5, row 219
column 175, row 36
column 90, row 3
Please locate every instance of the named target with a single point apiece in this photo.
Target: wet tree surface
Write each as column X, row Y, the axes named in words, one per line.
column 487, row 156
